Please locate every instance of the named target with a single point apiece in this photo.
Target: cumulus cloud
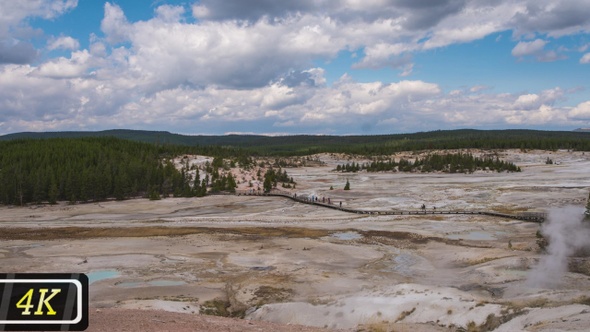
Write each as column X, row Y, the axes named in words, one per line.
column 17, row 52
column 50, row 102
column 75, row 66
column 227, row 54
column 169, row 13
column 250, row 10
column 528, row 101
column 536, row 48
column 300, row 102
column 310, row 77
column 64, row 43
column 581, row 112
column 475, row 21
column 529, row 48
column 585, row 58
column 14, row 12
column 426, row 14
column 114, row 24
column 385, row 55
column 255, row 64
column 234, row 44
column 556, row 18
column 14, row 47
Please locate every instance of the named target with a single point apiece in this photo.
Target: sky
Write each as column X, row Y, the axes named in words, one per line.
column 327, row 67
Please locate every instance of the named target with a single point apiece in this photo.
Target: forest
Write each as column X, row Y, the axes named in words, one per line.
column 100, row 168
column 120, row 164
column 367, row 145
column 447, row 163
column 94, row 169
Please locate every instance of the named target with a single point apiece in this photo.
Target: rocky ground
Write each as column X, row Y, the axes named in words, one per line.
column 164, row 265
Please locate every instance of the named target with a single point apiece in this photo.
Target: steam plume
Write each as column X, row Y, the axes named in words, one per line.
column 567, row 233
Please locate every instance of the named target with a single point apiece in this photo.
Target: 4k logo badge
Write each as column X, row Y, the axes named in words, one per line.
column 43, row 301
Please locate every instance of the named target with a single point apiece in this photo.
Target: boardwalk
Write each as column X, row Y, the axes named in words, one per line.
column 527, row 216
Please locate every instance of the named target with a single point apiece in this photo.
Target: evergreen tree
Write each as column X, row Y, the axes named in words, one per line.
column 85, row 169
column 197, row 184
column 267, row 184
column 347, row 185
column 231, row 183
column 53, row 192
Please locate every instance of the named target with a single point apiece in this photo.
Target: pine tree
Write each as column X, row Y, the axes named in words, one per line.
column 267, row 184
column 53, row 192
column 347, row 185
column 197, row 184
column 231, row 183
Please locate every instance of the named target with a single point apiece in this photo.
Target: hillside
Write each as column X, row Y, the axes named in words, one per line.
column 83, row 169
column 376, row 144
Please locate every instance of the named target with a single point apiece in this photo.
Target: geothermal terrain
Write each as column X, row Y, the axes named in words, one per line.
column 282, row 265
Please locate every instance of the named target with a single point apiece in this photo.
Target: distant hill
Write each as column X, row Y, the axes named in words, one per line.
column 582, row 130
column 134, row 135
column 360, row 144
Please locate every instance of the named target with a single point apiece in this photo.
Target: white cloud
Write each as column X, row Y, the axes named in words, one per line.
column 543, row 115
column 244, row 66
column 61, row 67
column 78, row 102
column 537, row 48
column 407, row 70
column 553, row 18
column 64, row 43
column 200, row 11
column 227, row 54
column 17, row 52
column 168, row 13
column 114, row 24
column 529, row 101
column 478, row 88
column 581, row 112
column 383, row 55
column 14, row 12
column 15, row 32
column 529, row 48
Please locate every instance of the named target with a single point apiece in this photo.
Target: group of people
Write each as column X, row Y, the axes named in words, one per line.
column 315, row 199
column 424, row 207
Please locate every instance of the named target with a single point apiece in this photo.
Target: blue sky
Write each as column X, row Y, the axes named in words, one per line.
column 316, row 67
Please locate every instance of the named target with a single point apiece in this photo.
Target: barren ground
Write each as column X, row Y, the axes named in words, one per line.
column 274, row 260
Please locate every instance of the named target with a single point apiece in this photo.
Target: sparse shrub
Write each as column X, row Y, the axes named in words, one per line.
column 541, row 241
column 583, row 300
column 215, row 307
column 405, row 314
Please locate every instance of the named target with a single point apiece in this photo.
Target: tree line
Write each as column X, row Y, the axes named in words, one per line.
column 366, row 145
column 272, row 177
column 448, row 163
column 98, row 168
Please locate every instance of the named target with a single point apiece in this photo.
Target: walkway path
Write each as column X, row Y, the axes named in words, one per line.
column 526, row 216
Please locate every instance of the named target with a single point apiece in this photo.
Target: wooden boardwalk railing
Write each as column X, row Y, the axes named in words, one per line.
column 526, row 216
